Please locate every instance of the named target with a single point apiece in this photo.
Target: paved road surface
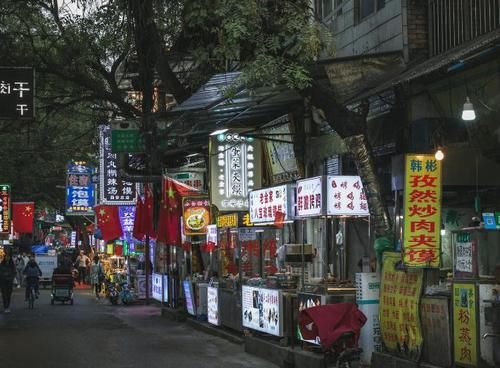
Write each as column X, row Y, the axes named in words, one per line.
column 95, row 334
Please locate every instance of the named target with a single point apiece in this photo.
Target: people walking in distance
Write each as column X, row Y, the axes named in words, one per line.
column 82, row 261
column 32, row 273
column 20, row 264
column 7, row 276
column 96, row 276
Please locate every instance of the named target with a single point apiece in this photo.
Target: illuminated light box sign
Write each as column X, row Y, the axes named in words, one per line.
column 236, row 219
column 112, row 190
column 159, row 287
column 80, row 197
column 264, row 203
column 5, row 208
column 310, row 197
column 188, row 294
column 196, row 215
column 346, row 196
column 235, row 169
column 262, row 310
column 213, row 306
column 422, row 211
column 194, row 179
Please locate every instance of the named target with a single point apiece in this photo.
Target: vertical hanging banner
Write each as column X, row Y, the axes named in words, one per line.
column 4, row 209
column 80, row 197
column 465, row 328
column 235, row 169
column 399, row 307
column 127, row 216
column 422, row 211
column 17, row 97
column 112, row 190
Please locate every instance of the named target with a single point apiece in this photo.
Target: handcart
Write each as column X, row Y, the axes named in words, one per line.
column 62, row 288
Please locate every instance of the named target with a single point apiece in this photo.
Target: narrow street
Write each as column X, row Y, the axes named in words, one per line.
column 96, row 334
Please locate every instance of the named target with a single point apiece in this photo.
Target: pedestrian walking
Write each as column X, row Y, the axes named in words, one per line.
column 82, row 261
column 96, row 276
column 7, row 276
column 20, row 264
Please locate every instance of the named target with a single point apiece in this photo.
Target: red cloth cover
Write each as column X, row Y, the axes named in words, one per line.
column 330, row 322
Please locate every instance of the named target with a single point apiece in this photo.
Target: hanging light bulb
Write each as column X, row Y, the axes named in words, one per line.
column 439, row 155
column 468, row 112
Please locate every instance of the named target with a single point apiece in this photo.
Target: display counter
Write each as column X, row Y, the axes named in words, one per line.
column 230, row 309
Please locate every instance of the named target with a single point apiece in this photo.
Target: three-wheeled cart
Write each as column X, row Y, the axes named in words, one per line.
column 62, row 288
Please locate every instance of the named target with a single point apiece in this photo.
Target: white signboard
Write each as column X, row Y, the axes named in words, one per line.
column 310, row 197
column 463, row 261
column 264, row 203
column 212, row 234
column 159, row 284
column 213, row 305
column 235, row 169
column 194, row 179
column 262, row 310
column 346, row 196
column 246, row 234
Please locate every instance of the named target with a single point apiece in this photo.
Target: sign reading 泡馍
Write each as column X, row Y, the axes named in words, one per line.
column 235, row 169
column 4, row 209
column 80, row 198
column 465, row 339
column 113, row 190
column 422, row 211
column 399, row 307
column 17, row 93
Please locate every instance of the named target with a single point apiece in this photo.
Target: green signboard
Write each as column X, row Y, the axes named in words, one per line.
column 127, row 141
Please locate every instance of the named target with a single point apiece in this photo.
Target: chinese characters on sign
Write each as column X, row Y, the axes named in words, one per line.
column 422, row 211
column 194, row 179
column 17, row 93
column 236, row 219
column 112, row 190
column 346, row 196
column 310, row 197
column 464, row 324
column 399, row 301
column 435, row 315
column 5, row 208
column 465, row 254
column 79, row 190
column 127, row 216
column 196, row 215
column 235, row 167
column 261, row 309
column 213, row 305
column 264, row 203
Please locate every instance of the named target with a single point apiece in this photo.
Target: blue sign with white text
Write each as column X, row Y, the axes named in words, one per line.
column 80, row 196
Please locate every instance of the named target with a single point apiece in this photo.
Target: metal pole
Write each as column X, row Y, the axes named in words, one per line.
column 302, row 254
column 146, row 267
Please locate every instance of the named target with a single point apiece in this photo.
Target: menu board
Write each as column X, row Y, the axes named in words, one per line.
column 262, row 310
column 196, row 215
column 213, row 305
column 264, row 203
column 188, row 294
column 399, row 302
column 346, row 196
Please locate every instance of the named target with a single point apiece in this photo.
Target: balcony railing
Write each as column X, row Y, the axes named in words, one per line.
column 453, row 22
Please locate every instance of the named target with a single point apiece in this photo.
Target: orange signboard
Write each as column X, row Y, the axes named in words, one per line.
column 196, row 215
column 422, row 211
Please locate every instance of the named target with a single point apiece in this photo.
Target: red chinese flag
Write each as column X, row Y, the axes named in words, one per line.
column 108, row 221
column 138, row 233
column 279, row 219
column 22, row 216
column 147, row 213
column 169, row 221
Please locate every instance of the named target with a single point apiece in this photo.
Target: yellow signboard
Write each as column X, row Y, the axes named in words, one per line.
column 422, row 211
column 464, row 324
column 399, row 307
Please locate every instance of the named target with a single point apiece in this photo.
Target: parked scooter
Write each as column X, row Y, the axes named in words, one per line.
column 127, row 295
column 111, row 292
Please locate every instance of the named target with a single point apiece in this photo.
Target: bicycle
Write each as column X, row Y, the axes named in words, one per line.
column 31, row 297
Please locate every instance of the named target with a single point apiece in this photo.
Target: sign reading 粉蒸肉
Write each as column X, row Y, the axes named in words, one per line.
column 235, row 169
column 310, row 197
column 262, row 309
column 80, row 199
column 465, row 338
column 17, row 87
column 4, row 209
column 398, row 309
column 113, row 190
column 264, row 203
column 422, row 211
column 346, row 196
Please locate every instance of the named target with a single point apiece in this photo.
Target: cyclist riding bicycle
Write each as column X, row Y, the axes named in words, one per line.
column 32, row 273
